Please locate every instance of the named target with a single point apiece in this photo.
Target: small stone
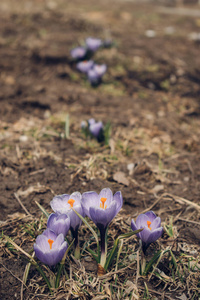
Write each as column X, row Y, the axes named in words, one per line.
column 23, row 138
column 150, row 33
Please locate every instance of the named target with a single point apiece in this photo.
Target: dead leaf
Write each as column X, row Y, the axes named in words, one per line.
column 120, row 177
column 157, row 188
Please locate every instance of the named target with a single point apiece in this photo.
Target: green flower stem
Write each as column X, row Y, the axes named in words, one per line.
column 76, row 243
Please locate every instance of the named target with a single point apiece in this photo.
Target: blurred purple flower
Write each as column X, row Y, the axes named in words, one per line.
column 91, row 121
column 102, row 208
column 96, row 73
column 62, row 204
column 50, row 248
column 78, row 52
column 152, row 228
column 59, row 223
column 96, row 128
column 85, row 66
column 93, row 44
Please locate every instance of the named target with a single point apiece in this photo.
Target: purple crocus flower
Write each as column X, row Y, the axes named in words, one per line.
column 95, row 128
column 85, row 66
column 101, row 209
column 63, row 204
column 50, row 248
column 59, row 223
column 96, row 73
column 93, row 44
column 152, row 228
column 78, row 52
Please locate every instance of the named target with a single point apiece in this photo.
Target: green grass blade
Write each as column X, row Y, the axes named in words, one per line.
column 43, row 210
column 151, row 262
column 62, row 263
column 67, row 127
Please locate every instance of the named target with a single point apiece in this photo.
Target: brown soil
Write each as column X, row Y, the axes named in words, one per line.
column 150, row 95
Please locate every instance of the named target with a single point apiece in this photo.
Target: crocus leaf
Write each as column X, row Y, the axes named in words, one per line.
column 129, row 234
column 94, row 255
column 114, row 249
column 43, row 210
column 62, row 265
column 118, row 253
column 151, row 262
column 91, row 229
column 107, row 133
column 111, row 254
column 32, row 260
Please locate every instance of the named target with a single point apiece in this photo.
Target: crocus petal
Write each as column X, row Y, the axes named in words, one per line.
column 102, row 216
column 40, row 254
column 154, row 235
column 42, row 242
column 93, row 76
column 50, row 234
column 77, row 197
column 75, row 221
column 78, row 52
column 60, row 203
column 85, row 66
column 119, row 200
column 91, row 121
column 50, row 220
column 56, row 256
column 58, row 241
column 144, row 234
column 141, row 221
column 156, row 223
column 134, row 227
column 106, row 193
column 96, row 128
column 151, row 215
column 100, row 69
column 89, row 199
column 93, row 44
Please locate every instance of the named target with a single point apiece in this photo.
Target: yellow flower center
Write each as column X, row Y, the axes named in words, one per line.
column 50, row 243
column 148, row 224
column 103, row 200
column 71, row 202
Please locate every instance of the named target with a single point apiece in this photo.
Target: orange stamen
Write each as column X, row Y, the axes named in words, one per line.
column 71, row 202
column 148, row 224
column 50, row 243
column 103, row 200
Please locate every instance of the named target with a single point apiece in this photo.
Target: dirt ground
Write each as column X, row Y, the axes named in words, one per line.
column 150, row 95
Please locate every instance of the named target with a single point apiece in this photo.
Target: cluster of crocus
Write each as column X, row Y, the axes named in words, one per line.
column 85, row 64
column 50, row 246
column 70, row 211
column 101, row 209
